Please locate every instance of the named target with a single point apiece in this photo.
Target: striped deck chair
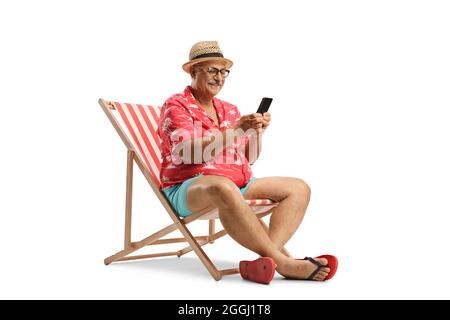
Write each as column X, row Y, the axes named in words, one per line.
column 137, row 126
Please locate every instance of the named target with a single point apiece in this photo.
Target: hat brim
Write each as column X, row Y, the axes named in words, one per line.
column 188, row 65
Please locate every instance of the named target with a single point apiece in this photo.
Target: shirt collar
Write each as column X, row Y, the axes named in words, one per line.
column 188, row 94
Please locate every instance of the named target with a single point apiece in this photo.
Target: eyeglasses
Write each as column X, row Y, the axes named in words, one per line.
column 214, row 72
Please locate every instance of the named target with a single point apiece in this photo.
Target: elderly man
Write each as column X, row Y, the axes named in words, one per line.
column 207, row 148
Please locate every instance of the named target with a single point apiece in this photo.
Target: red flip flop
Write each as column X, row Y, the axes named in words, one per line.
column 332, row 264
column 260, row 270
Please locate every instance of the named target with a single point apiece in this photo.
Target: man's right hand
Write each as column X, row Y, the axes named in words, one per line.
column 250, row 121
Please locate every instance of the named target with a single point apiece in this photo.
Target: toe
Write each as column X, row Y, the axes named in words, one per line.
column 323, row 261
column 323, row 272
column 319, row 277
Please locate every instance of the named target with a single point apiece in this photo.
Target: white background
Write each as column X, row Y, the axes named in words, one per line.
column 361, row 99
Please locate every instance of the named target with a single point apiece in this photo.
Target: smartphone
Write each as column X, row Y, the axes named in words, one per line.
column 264, row 105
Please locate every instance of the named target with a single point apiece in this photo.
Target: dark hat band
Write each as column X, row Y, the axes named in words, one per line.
column 209, row 55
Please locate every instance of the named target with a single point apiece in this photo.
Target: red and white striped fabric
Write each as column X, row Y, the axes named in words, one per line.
column 259, row 202
column 140, row 124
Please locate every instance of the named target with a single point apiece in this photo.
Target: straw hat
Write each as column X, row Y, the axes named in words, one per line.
column 205, row 51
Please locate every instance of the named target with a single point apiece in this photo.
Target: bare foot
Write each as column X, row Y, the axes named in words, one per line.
column 301, row 269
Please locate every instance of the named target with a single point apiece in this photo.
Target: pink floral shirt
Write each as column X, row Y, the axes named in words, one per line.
column 181, row 113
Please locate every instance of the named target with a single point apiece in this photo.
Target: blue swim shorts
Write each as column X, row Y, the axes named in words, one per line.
column 178, row 193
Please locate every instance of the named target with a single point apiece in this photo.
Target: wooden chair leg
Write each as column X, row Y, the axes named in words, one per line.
column 138, row 245
column 199, row 251
column 129, row 199
column 212, row 227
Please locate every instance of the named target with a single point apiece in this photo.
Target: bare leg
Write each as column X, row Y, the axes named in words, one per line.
column 293, row 196
column 242, row 225
column 236, row 216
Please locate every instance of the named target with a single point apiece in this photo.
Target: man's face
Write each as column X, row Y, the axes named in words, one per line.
column 209, row 77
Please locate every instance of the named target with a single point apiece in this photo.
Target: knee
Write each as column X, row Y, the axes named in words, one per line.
column 302, row 190
column 222, row 188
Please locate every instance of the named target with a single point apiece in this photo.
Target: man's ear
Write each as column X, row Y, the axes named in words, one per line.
column 192, row 72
